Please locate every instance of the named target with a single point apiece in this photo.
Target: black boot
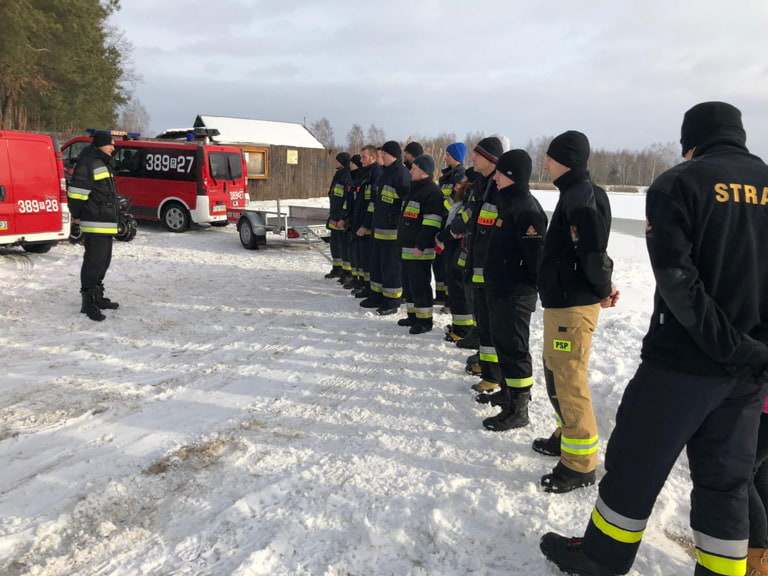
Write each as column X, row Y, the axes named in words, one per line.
column 409, row 321
column 563, row 479
column 363, row 292
column 420, row 327
column 89, row 306
column 547, row 446
column 372, row 301
column 568, row 555
column 514, row 413
column 104, row 303
column 499, row 398
column 471, row 341
column 334, row 273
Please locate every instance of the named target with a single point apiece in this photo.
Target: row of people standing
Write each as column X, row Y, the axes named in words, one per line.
column 498, row 258
column 701, row 382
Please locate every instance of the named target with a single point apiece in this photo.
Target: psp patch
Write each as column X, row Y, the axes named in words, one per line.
column 561, row 345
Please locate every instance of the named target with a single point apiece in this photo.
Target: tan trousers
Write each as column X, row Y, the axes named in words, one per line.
column 567, row 344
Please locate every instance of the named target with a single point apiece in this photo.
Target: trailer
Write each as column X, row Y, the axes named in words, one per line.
column 306, row 223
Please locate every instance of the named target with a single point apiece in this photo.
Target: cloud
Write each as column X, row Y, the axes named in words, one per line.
column 622, row 71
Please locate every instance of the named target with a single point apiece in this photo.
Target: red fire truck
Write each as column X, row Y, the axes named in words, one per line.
column 176, row 182
column 33, row 194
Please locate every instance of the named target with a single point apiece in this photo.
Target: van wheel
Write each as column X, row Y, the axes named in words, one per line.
column 38, row 248
column 247, row 238
column 175, row 217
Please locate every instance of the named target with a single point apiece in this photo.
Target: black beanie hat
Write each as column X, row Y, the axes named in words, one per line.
column 343, row 158
column 515, row 165
column 570, row 149
column 709, row 119
column 414, row 148
column 472, row 174
column 490, row 148
column 458, row 174
column 102, row 139
column 426, row 163
column 357, row 161
column 392, row 148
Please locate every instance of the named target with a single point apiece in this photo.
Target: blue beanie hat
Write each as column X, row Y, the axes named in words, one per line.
column 457, row 150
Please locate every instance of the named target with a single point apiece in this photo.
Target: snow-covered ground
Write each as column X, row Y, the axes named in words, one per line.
column 240, row 415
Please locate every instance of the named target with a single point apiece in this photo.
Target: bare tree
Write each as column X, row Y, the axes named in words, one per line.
column 134, row 117
column 473, row 138
column 537, row 150
column 323, row 131
column 376, row 135
column 355, row 138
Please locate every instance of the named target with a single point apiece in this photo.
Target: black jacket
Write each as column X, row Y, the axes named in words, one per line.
column 421, row 220
column 338, row 192
column 448, row 176
column 484, row 215
column 707, row 237
column 359, row 204
column 370, row 185
column 460, row 225
column 575, row 267
column 394, row 186
column 516, row 243
column 92, row 193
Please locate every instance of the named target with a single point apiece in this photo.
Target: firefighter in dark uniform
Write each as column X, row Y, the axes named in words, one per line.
column 450, row 238
column 452, row 173
column 349, row 273
column 422, row 218
column 510, row 271
column 356, row 194
column 702, row 373
column 362, row 217
column 337, row 194
column 485, row 212
column 410, row 152
column 386, row 273
column 574, row 283
column 92, row 198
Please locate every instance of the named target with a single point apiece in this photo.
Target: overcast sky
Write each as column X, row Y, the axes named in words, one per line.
column 622, row 71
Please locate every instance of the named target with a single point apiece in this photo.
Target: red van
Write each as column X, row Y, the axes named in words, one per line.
column 177, row 183
column 33, row 194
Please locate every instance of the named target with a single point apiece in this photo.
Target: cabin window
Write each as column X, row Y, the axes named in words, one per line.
column 256, row 161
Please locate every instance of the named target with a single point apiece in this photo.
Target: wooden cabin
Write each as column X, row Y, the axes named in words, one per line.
column 284, row 159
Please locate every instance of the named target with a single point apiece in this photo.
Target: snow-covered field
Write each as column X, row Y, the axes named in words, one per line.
column 240, row 415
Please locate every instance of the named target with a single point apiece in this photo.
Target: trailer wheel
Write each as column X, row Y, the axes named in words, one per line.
column 175, row 217
column 248, row 239
column 41, row 248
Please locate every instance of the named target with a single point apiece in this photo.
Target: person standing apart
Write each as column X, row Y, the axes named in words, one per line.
column 574, row 282
column 702, row 375
column 92, row 195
